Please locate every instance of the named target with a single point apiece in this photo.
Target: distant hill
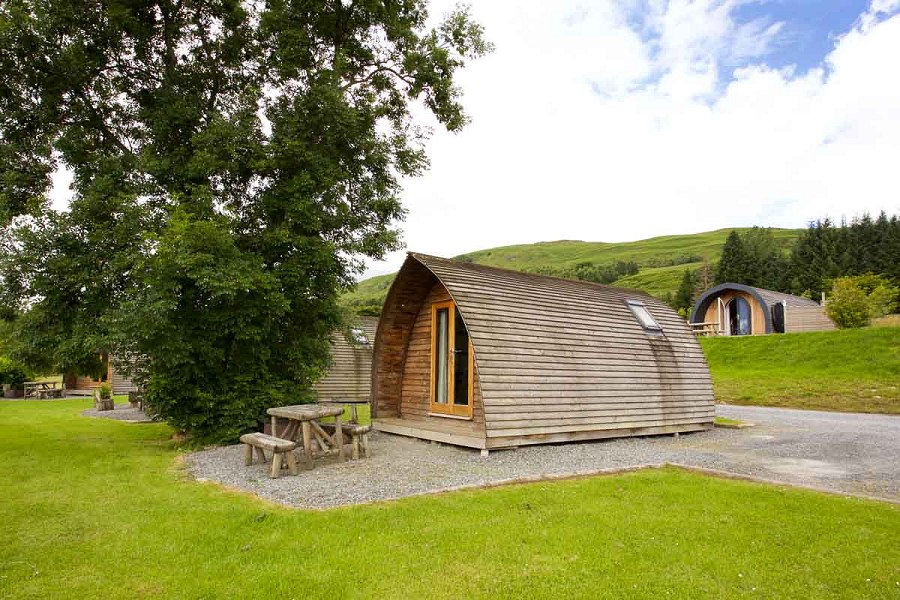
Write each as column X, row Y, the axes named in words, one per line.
column 661, row 261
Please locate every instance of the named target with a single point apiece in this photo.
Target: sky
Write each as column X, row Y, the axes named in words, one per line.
column 619, row 120
column 622, row 120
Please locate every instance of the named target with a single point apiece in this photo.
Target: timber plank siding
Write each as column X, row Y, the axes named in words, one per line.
column 349, row 376
column 807, row 318
column 554, row 359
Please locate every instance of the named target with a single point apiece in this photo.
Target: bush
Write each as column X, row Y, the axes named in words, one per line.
column 105, row 391
column 855, row 301
column 12, row 373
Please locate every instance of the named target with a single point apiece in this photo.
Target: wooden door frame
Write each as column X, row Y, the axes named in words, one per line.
column 451, row 409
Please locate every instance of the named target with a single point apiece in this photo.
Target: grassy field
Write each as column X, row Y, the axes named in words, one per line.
column 657, row 274
column 94, row 508
column 854, row 370
column 657, row 281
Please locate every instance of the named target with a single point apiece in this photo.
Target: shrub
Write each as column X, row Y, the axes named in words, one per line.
column 12, row 373
column 855, row 301
column 105, row 391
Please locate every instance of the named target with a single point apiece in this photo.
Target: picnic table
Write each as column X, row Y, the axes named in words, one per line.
column 42, row 389
column 352, row 403
column 303, row 417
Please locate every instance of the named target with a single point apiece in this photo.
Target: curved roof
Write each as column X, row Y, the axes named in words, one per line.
column 765, row 297
column 542, row 341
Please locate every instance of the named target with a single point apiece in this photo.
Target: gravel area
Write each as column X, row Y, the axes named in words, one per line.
column 122, row 412
column 846, row 453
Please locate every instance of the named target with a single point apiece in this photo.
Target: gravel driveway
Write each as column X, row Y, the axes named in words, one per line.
column 847, row 453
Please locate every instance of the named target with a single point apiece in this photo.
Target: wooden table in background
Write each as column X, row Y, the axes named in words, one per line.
column 42, row 390
column 303, row 417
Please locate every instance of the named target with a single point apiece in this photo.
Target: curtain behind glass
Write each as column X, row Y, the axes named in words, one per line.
column 441, row 355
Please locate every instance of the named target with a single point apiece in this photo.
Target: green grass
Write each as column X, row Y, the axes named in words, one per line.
column 657, row 281
column 727, row 421
column 656, row 276
column 94, row 508
column 853, row 370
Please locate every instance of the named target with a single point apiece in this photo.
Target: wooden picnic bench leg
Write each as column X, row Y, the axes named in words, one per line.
column 307, row 444
column 365, row 444
column 276, row 465
column 261, row 455
column 291, row 462
column 339, row 437
column 355, row 452
column 354, row 417
column 248, row 454
column 274, row 426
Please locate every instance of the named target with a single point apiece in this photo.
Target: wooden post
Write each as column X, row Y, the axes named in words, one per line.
column 354, row 417
column 339, row 437
column 260, row 453
column 276, row 465
column 355, row 452
column 274, row 426
column 365, row 444
column 307, row 444
column 292, row 462
column 248, row 454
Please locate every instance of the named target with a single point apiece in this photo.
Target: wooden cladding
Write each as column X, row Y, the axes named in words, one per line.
column 806, row 318
column 350, row 373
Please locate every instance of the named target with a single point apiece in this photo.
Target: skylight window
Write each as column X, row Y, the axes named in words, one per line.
column 359, row 336
column 643, row 316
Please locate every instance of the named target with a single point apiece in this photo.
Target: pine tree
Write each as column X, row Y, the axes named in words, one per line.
column 684, row 297
column 734, row 265
column 704, row 278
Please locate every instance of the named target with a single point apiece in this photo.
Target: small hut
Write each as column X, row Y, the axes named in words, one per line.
column 490, row 358
column 84, row 384
column 350, row 373
column 735, row 309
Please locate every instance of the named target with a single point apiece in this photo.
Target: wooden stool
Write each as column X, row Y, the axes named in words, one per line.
column 278, row 446
column 359, row 437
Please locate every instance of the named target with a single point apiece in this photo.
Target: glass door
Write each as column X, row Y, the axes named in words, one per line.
column 452, row 362
column 739, row 317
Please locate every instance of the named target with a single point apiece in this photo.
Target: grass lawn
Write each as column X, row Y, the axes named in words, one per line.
column 95, row 508
column 854, row 370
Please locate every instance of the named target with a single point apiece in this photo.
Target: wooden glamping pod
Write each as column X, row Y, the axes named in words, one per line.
column 736, row 309
column 489, row 358
column 350, row 375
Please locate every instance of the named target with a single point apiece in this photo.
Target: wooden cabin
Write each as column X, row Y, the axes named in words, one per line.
column 490, row 358
column 735, row 309
column 85, row 384
column 350, row 373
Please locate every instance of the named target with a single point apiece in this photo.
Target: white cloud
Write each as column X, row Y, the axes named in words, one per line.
column 617, row 121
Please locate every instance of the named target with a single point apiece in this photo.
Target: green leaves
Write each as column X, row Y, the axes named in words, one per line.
column 232, row 164
column 855, row 301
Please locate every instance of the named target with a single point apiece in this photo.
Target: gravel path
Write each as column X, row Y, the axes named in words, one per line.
column 122, row 412
column 847, row 453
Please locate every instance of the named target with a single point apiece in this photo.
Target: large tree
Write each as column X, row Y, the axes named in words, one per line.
column 232, row 163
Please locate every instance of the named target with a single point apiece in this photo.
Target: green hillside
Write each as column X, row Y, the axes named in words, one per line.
column 661, row 260
column 851, row 370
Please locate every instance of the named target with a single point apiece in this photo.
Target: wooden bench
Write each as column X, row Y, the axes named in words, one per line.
column 278, row 446
column 359, row 437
